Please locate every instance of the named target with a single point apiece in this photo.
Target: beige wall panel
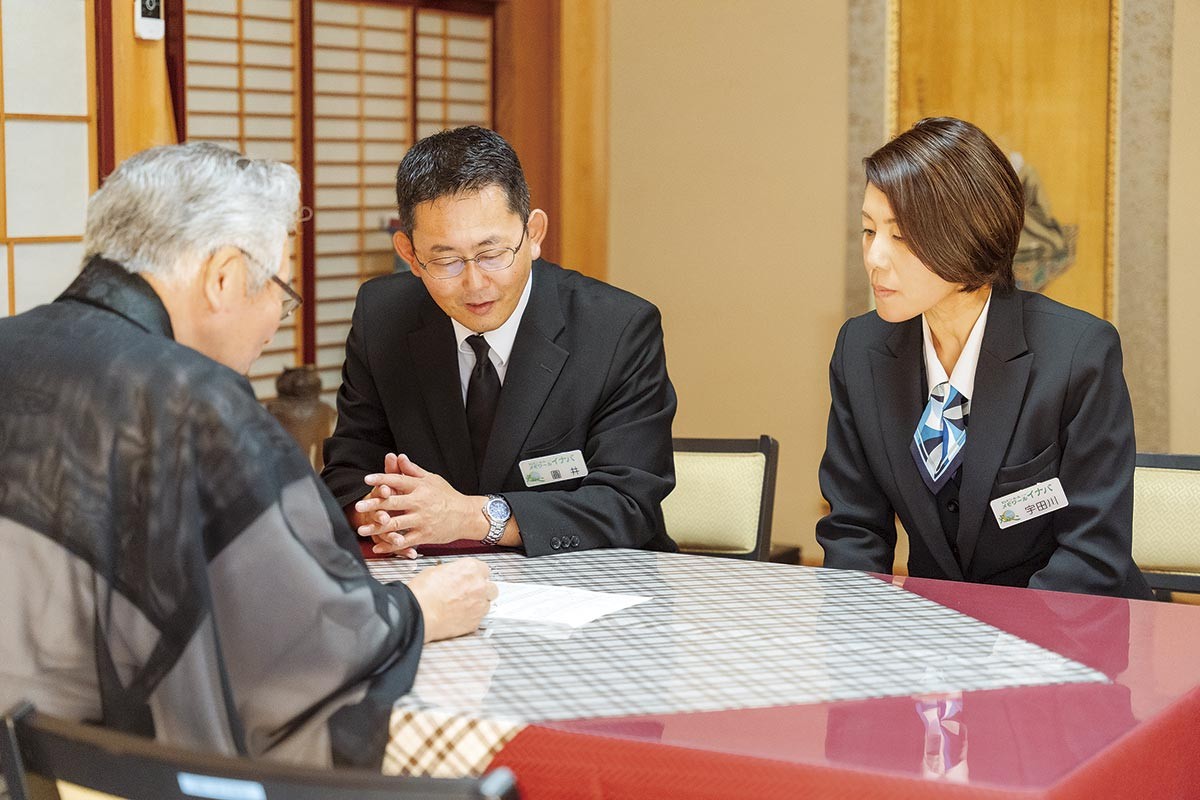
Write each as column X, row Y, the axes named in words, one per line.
column 1034, row 76
column 42, row 271
column 45, row 53
column 204, row 50
column 336, row 197
column 283, row 150
column 727, row 178
column 269, row 103
column 47, row 177
column 386, row 84
column 334, row 334
column 275, row 79
column 269, row 127
column 218, row 6
column 381, row 17
column 383, row 151
column 331, row 36
column 335, row 174
column 280, row 9
column 224, row 77
column 273, row 55
column 466, row 70
column 335, row 220
column 268, row 31
column 385, row 40
column 209, row 128
column 325, row 59
column 203, row 25
column 388, row 130
column 335, row 105
column 383, row 62
column 337, row 265
column 341, row 287
column 336, row 243
column 5, row 278
column 1184, row 219
column 333, row 152
column 335, row 310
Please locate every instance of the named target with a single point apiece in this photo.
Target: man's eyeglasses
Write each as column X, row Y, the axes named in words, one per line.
column 492, row 260
column 291, row 299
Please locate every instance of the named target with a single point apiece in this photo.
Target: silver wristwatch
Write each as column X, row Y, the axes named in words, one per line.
column 498, row 513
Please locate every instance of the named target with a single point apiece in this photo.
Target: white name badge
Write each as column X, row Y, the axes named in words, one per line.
column 566, row 466
column 1032, row 501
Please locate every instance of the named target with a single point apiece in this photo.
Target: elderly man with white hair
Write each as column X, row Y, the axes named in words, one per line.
column 169, row 563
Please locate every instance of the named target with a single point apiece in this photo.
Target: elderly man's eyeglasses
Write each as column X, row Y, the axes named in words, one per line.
column 492, row 260
column 291, row 298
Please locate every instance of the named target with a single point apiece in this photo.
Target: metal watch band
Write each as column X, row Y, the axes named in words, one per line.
column 495, row 527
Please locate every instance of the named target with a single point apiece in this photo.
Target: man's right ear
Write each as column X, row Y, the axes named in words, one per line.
column 404, row 248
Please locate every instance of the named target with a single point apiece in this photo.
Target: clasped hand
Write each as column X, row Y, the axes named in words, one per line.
column 409, row 506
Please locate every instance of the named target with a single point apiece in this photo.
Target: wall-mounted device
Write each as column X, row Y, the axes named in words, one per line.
column 148, row 19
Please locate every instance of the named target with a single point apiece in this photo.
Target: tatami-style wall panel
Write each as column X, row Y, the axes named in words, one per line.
column 243, row 91
column 47, row 146
column 362, row 90
column 454, row 69
column 381, row 72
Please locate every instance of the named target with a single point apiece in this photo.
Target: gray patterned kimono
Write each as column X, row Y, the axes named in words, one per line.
column 169, row 563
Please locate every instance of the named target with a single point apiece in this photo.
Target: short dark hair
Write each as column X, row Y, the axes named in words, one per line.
column 957, row 199
column 456, row 162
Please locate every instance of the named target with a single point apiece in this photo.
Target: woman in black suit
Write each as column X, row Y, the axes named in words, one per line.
column 995, row 423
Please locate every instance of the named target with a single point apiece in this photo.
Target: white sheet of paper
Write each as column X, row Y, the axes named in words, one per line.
column 556, row 605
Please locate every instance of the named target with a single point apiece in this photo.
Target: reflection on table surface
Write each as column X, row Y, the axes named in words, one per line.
column 946, row 682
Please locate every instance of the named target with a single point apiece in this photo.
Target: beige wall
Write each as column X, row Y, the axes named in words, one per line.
column 1184, row 254
column 726, row 205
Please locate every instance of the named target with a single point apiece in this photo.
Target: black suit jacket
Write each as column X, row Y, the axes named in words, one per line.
column 587, row 372
column 1050, row 400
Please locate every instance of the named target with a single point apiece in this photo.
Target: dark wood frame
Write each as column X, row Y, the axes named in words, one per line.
column 106, row 145
column 769, row 447
column 1164, row 583
column 37, row 749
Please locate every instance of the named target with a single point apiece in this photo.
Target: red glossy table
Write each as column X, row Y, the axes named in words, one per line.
column 1135, row 735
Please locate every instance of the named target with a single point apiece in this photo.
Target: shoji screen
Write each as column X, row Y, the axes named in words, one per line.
column 47, row 146
column 382, row 73
column 454, row 71
column 362, row 126
column 243, row 91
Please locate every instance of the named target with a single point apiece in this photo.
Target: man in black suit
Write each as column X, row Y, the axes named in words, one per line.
column 490, row 396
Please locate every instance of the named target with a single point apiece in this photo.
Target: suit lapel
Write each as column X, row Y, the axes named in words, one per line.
column 533, row 368
column 436, row 360
column 1000, row 380
column 897, row 380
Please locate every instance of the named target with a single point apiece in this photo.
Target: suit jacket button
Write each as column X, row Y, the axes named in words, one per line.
column 574, row 541
column 952, row 506
column 555, row 543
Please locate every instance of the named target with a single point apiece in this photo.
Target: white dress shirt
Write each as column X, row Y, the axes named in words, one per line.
column 500, row 342
column 963, row 378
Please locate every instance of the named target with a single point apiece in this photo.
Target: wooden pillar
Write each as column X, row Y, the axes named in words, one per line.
column 526, row 66
column 583, row 131
column 142, row 114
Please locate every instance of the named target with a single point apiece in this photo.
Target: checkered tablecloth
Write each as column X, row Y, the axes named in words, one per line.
column 717, row 634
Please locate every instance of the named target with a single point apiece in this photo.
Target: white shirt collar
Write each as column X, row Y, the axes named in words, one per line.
column 501, row 339
column 963, row 378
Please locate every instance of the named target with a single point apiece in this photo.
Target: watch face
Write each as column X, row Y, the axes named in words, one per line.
column 498, row 509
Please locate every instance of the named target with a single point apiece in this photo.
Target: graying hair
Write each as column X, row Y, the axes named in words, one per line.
column 169, row 207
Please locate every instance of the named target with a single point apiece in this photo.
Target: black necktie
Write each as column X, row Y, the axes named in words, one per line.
column 483, row 393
